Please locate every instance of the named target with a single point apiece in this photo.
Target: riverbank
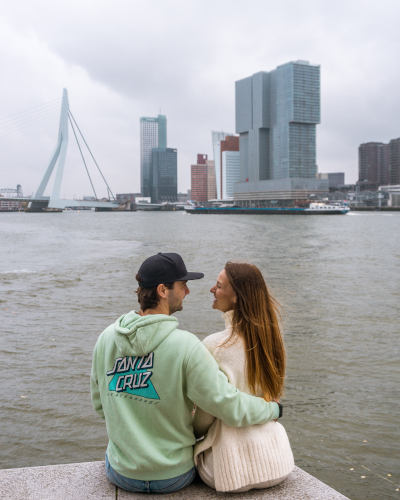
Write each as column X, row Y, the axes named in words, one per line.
column 88, row 481
column 64, row 279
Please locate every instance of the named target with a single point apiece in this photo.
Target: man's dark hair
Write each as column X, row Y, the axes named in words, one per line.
column 148, row 298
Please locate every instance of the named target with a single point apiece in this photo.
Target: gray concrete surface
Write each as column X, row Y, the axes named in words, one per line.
column 57, row 482
column 87, row 481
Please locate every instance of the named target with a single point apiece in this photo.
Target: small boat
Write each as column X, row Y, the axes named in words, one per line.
column 328, row 208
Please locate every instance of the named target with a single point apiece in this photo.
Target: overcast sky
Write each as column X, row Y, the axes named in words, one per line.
column 125, row 59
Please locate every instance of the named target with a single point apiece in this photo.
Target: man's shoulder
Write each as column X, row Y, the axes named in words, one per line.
column 106, row 335
column 184, row 338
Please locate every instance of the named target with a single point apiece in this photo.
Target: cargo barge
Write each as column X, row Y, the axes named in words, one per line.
column 312, row 209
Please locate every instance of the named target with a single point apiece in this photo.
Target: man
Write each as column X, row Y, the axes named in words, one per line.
column 146, row 376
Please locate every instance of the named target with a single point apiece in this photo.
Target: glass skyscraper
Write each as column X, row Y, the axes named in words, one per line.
column 164, row 173
column 153, row 134
column 276, row 117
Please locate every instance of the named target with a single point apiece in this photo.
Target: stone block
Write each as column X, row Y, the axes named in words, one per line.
column 298, row 486
column 86, row 481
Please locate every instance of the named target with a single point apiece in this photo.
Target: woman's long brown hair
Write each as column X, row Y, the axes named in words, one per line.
column 256, row 320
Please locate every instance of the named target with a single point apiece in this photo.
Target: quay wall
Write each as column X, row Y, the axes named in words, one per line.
column 88, row 481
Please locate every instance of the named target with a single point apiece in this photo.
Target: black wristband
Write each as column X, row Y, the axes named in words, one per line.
column 280, row 410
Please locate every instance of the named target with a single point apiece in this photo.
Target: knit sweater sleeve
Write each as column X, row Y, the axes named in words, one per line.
column 202, row 420
column 209, row 388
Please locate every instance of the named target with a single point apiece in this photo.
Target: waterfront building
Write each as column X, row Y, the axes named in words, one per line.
column 9, row 205
column 227, row 163
column 379, row 163
column 164, row 169
column 230, row 172
column 335, row 179
column 276, row 117
column 203, row 186
column 394, row 162
column 373, row 163
column 199, row 171
column 153, row 134
column 123, row 197
column 211, row 182
column 217, row 137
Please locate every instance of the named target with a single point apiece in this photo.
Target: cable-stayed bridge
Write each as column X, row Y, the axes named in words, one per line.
column 37, row 202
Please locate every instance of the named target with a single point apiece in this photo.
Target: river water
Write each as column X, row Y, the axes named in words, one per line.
column 65, row 277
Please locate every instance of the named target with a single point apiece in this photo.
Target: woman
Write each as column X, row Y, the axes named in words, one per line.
column 251, row 353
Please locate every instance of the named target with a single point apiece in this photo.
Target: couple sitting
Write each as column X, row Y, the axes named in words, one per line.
column 148, row 375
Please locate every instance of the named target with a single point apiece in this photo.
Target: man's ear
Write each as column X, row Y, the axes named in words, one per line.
column 161, row 290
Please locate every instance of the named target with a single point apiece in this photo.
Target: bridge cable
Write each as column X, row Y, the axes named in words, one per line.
column 83, row 158
column 108, row 187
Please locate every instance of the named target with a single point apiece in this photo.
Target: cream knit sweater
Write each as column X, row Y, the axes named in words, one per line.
column 241, row 455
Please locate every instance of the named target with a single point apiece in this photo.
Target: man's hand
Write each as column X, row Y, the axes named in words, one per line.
column 276, row 401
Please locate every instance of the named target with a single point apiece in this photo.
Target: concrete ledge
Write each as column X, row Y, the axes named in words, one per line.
column 87, row 481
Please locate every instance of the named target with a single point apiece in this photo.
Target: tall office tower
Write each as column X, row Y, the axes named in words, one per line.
column 217, row 137
column 226, row 158
column 153, row 134
column 373, row 163
column 211, row 184
column 394, row 162
column 276, row 117
column 164, row 175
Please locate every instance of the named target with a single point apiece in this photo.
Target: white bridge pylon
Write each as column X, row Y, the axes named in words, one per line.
column 60, row 153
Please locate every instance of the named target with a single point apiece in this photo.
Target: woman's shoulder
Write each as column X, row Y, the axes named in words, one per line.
column 215, row 339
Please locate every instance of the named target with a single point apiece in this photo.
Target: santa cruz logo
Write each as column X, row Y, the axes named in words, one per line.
column 132, row 375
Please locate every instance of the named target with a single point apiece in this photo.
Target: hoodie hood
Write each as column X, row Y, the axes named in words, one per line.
column 137, row 335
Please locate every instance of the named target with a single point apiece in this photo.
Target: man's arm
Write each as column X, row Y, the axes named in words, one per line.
column 202, row 421
column 94, row 388
column 208, row 387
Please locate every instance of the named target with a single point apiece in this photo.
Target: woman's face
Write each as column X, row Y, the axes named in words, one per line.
column 224, row 294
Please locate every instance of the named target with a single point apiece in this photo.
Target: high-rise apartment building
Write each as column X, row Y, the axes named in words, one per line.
column 373, row 163
column 211, row 183
column 153, row 134
column 227, row 163
column 164, row 175
column 379, row 163
column 203, row 186
column 276, row 117
column 394, row 162
column 199, row 173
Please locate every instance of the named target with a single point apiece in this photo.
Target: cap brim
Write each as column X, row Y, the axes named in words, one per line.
column 192, row 276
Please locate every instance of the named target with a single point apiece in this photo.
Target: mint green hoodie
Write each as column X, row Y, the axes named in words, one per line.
column 146, row 375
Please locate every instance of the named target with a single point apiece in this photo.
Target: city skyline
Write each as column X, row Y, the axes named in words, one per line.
column 192, row 82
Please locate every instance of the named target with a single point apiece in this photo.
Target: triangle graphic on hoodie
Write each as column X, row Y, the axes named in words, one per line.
column 132, row 375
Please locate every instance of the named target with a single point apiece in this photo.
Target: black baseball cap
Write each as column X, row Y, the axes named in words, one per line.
column 164, row 268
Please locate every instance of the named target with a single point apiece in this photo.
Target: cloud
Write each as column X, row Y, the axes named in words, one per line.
column 125, row 59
